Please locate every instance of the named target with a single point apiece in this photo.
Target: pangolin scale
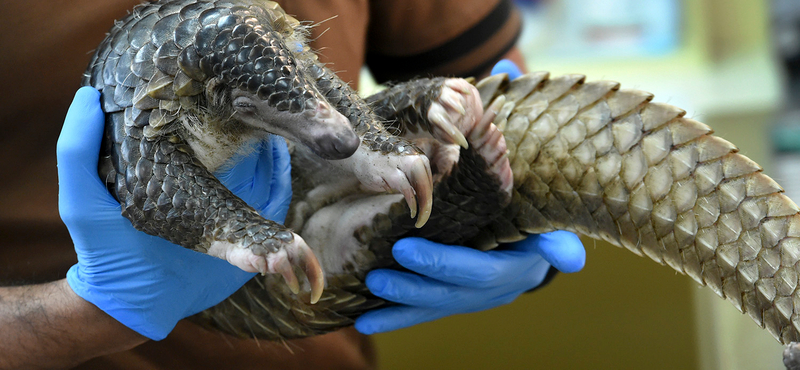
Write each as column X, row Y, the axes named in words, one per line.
column 587, row 157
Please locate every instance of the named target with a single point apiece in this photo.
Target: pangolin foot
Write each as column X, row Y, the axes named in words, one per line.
column 275, row 256
column 490, row 143
column 456, row 111
column 481, row 133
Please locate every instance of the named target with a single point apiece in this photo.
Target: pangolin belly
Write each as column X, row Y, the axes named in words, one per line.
column 555, row 154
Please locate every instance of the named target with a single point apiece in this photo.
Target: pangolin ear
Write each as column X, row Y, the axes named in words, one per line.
column 216, row 91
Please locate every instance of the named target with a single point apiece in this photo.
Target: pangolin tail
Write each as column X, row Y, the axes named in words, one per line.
column 607, row 163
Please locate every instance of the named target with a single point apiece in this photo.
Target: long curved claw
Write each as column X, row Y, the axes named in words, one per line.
column 455, row 111
column 479, row 131
column 422, row 182
column 313, row 270
column 448, row 131
column 455, row 102
column 292, row 251
column 411, row 199
column 284, row 268
column 259, row 265
column 409, row 174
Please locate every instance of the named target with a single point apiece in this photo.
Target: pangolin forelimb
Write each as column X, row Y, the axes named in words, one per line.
column 405, row 168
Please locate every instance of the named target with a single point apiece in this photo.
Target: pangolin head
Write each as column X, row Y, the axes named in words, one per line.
column 241, row 66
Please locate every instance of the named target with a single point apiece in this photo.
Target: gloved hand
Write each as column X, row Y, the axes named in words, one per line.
column 452, row 279
column 143, row 281
column 455, row 279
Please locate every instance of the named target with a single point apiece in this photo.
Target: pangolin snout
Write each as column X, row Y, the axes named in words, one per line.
column 332, row 135
column 338, row 145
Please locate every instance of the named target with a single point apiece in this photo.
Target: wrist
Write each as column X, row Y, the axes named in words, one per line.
column 48, row 325
column 116, row 336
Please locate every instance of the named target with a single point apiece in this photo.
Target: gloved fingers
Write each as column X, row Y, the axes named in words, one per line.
column 421, row 291
column 562, row 249
column 148, row 283
column 79, row 141
column 77, row 153
column 261, row 176
column 461, row 265
column 507, row 66
column 281, row 190
column 410, row 289
column 396, row 317
column 224, row 281
column 262, row 179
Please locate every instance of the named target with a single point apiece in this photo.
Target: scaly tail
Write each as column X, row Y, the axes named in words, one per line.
column 607, row 163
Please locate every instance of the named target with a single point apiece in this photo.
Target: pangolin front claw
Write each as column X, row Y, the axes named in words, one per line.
column 414, row 180
column 300, row 255
column 408, row 174
column 279, row 255
column 284, row 268
column 313, row 270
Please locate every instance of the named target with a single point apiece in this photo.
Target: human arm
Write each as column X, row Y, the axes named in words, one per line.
column 129, row 277
column 49, row 326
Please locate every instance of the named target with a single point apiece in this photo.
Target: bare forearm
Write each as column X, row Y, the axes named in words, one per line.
column 49, row 326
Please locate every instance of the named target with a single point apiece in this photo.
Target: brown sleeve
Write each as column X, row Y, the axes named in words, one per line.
column 338, row 34
column 409, row 38
column 45, row 50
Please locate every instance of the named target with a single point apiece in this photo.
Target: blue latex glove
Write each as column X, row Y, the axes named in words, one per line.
column 145, row 282
column 451, row 280
column 507, row 66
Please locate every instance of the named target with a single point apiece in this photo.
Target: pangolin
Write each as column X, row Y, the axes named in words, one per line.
column 187, row 84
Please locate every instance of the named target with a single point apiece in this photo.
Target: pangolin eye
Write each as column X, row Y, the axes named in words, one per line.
column 243, row 104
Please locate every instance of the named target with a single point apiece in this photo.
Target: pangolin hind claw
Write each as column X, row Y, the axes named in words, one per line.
column 285, row 269
column 302, row 256
column 457, row 108
column 313, row 270
column 422, row 182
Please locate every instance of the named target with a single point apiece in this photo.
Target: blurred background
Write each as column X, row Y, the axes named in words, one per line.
column 733, row 64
